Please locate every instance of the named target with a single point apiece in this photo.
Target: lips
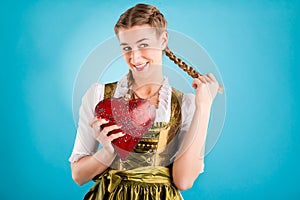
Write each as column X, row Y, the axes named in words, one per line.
column 141, row 66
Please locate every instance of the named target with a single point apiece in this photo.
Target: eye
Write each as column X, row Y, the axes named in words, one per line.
column 143, row 45
column 127, row 49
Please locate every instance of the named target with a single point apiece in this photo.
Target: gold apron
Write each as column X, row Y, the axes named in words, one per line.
column 146, row 183
column 146, row 172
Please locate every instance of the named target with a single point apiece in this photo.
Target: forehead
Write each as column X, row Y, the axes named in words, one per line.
column 136, row 33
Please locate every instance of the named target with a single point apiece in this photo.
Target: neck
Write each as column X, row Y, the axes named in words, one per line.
column 148, row 82
column 147, row 88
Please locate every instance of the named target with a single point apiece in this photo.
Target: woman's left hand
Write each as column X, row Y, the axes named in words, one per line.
column 206, row 89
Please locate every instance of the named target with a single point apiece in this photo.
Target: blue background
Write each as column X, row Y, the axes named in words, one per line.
column 254, row 44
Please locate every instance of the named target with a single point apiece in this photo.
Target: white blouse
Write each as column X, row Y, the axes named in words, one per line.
column 85, row 142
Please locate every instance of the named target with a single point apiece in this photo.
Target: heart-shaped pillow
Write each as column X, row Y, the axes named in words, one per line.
column 135, row 116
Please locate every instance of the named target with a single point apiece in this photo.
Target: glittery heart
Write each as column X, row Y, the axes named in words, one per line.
column 135, row 116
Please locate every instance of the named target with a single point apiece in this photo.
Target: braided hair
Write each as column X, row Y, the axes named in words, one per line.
column 142, row 14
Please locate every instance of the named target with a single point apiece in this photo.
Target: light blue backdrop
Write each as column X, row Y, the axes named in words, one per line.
column 254, row 44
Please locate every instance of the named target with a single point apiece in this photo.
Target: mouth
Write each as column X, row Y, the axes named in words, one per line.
column 141, row 67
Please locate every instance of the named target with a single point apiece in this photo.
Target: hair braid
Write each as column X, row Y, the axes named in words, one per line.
column 188, row 69
column 142, row 14
column 130, row 81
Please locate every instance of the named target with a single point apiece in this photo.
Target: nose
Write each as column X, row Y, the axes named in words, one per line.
column 135, row 56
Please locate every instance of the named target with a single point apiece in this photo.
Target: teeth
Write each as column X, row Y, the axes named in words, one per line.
column 141, row 66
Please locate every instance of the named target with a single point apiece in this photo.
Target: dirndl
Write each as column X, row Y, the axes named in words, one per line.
column 143, row 183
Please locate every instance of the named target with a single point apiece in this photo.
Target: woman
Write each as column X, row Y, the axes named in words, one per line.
column 170, row 156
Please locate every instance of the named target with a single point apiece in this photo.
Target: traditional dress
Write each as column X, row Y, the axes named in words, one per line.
column 146, row 173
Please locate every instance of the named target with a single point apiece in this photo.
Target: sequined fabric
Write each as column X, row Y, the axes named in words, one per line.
column 135, row 116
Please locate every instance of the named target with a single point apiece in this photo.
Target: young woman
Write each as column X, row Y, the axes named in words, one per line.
column 170, row 156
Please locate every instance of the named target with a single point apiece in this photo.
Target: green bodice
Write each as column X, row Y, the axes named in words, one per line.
column 159, row 145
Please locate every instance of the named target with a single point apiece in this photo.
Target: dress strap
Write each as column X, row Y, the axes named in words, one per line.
column 110, row 90
column 167, row 144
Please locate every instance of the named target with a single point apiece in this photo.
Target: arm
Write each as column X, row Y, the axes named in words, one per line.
column 189, row 162
column 86, row 160
column 87, row 168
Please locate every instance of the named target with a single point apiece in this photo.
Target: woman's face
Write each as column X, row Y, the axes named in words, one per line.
column 142, row 49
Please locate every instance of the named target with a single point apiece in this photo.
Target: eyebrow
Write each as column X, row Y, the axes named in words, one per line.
column 136, row 41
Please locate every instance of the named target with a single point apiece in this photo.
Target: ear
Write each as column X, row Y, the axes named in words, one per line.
column 164, row 40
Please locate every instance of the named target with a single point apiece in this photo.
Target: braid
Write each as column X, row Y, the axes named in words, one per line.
column 130, row 81
column 188, row 69
column 142, row 14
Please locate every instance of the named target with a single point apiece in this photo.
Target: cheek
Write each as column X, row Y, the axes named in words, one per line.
column 151, row 53
column 126, row 57
column 155, row 55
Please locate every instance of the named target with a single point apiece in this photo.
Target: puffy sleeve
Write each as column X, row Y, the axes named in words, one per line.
column 187, row 112
column 85, row 143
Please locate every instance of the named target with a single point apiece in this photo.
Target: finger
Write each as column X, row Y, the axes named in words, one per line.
column 98, row 121
column 207, row 79
column 96, row 125
column 202, row 79
column 104, row 121
column 212, row 77
column 115, row 136
column 107, row 129
column 93, row 121
column 196, row 82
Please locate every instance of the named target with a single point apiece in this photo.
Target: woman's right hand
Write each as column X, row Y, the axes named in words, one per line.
column 87, row 167
column 102, row 134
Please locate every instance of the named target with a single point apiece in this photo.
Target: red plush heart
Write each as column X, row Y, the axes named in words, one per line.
column 135, row 116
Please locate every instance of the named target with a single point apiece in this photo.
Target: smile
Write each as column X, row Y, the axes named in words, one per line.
column 141, row 67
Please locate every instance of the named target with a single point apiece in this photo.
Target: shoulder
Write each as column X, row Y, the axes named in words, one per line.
column 94, row 90
column 188, row 98
column 185, row 98
column 188, row 104
column 187, row 109
column 93, row 95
